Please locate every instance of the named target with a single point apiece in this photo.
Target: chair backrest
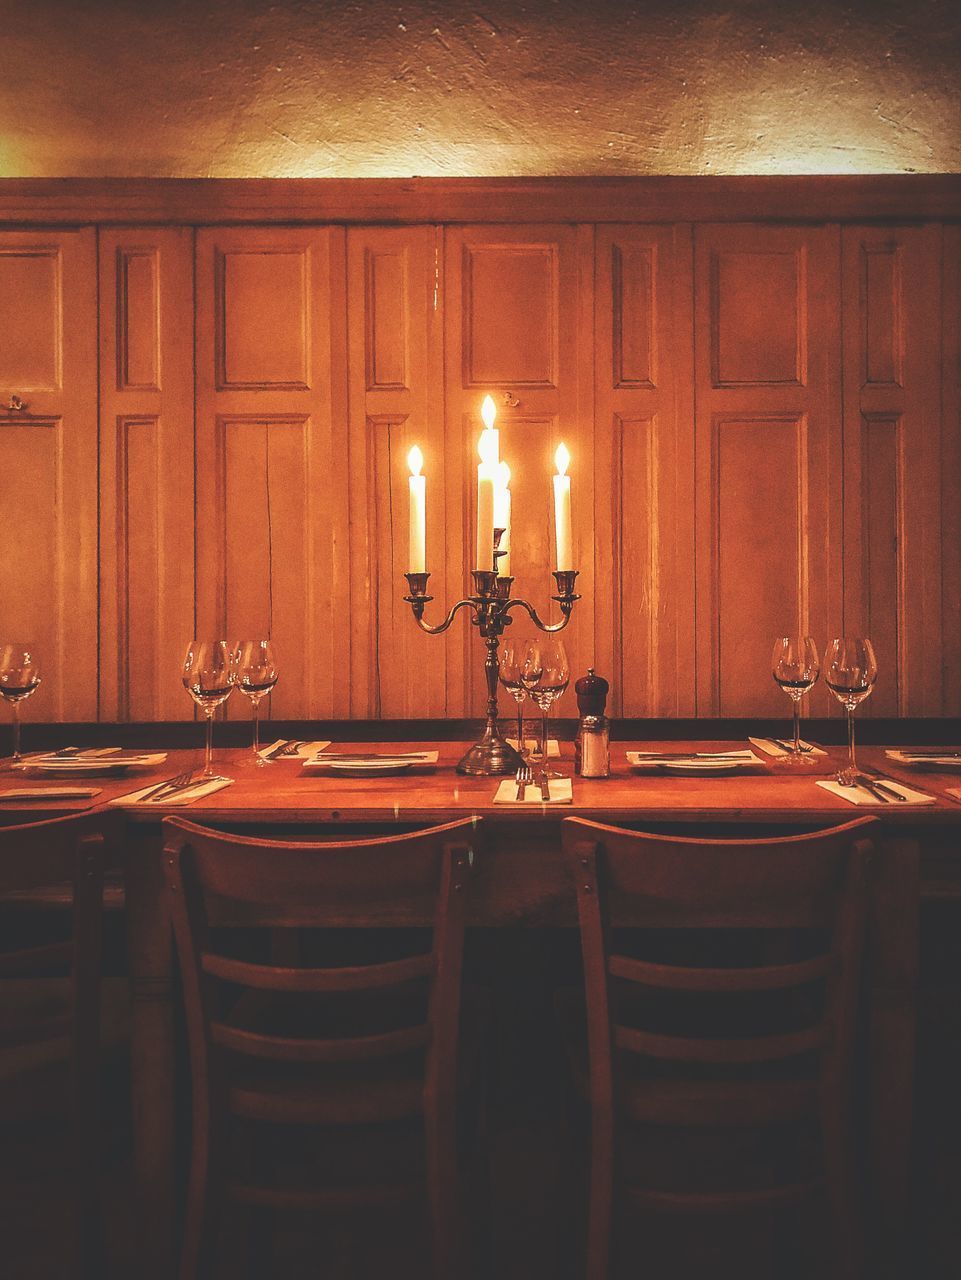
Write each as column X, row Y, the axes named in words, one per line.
column 813, row 883
column 270, row 883
column 42, row 855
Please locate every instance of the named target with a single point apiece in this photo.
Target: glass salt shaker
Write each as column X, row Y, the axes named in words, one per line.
column 592, row 756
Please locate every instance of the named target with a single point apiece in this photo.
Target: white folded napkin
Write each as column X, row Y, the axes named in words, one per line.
column 187, row 796
column 531, row 744
column 858, row 795
column 303, row 752
column 49, row 793
column 561, row 789
column 904, row 755
column 771, row 748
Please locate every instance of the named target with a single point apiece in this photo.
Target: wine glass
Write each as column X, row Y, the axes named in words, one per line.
column 795, row 667
column 255, row 674
column 208, row 677
column 510, row 667
column 545, row 674
column 19, row 677
column 850, row 670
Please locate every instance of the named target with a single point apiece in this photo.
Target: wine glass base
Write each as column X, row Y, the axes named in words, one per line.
column 846, row 777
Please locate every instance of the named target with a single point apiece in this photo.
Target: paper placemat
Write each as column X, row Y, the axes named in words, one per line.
column 49, row 793
column 187, row 796
column 531, row 745
column 561, row 789
column 304, row 749
column 857, row 795
column 770, row 748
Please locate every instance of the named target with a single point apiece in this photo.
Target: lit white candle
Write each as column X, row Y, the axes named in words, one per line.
column 417, row 553
column 486, row 481
column 502, row 517
column 562, row 510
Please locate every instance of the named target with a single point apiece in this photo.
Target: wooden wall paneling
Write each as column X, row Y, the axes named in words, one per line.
column 892, row 459
column 768, row 482
column 396, row 401
column 519, row 325
column 146, row 471
column 644, row 468
column 48, row 490
column 272, row 507
column 951, row 472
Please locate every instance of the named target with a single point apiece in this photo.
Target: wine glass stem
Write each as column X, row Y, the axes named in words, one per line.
column 208, row 753
column 256, row 702
column 797, row 726
column 520, row 727
column 16, row 731
column 852, row 763
column 544, row 737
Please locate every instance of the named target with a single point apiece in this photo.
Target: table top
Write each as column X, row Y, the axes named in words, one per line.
column 285, row 792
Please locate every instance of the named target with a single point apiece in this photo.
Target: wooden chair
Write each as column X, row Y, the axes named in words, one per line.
column 311, row 1046
column 735, row 1069
column 47, row 1024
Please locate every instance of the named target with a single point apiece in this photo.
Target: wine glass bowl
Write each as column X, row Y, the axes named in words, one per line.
column 208, row 676
column 255, row 674
column 545, row 675
column 19, row 678
column 795, row 668
column 510, row 665
column 850, row 671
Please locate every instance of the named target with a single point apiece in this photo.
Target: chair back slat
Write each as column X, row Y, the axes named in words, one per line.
column 719, row 1051
column 348, row 978
column 56, row 957
column 670, row 977
column 315, row 1049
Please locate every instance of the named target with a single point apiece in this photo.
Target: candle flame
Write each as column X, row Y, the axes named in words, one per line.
column 415, row 460
column 488, row 412
column 562, row 459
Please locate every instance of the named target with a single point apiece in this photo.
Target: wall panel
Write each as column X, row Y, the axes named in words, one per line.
column 768, row 468
column 396, row 401
column 272, row 455
column 643, row 526
column 48, row 437
column 951, row 473
column 519, row 325
column 892, row 433
column 146, row 471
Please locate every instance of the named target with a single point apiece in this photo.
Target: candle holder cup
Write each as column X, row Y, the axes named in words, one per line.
column 491, row 606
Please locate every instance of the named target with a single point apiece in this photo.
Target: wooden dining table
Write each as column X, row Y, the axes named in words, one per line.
column 521, row 881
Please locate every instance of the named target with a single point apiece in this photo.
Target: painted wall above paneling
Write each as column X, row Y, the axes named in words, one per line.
column 380, row 88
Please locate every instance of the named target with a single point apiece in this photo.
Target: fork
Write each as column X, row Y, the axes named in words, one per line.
column 288, row 749
column 789, row 746
column 524, row 775
column 176, row 783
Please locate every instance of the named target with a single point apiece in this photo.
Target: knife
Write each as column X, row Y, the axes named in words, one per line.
column 880, row 785
column 545, row 787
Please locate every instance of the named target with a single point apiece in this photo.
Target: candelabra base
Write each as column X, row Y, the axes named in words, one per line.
column 492, row 757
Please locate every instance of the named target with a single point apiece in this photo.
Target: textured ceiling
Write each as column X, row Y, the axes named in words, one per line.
column 237, row 88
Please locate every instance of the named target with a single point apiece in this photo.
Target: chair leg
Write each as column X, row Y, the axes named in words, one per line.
column 847, row 1261
column 443, row 1193
column 201, row 1220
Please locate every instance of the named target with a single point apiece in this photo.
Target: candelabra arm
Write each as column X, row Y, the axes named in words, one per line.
column 541, row 626
column 440, row 627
